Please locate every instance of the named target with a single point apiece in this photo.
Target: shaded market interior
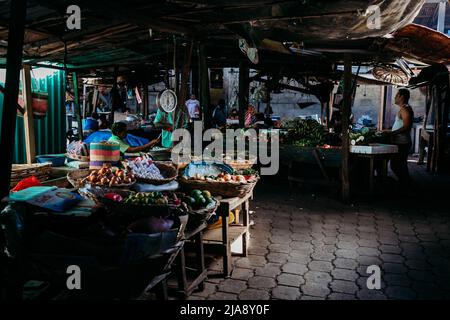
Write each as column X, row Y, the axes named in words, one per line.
column 317, row 44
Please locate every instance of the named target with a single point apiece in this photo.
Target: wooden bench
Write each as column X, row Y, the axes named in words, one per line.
column 220, row 240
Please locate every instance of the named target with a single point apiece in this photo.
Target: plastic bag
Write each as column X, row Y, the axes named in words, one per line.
column 26, row 183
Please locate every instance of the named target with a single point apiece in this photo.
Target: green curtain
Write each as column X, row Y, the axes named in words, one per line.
column 50, row 132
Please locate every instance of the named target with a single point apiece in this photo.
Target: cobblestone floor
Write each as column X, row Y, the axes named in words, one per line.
column 310, row 246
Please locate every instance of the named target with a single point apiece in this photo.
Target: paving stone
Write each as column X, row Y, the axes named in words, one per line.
column 254, row 294
column 277, row 257
column 402, row 293
column 347, row 245
column 390, row 249
column 242, row 274
column 344, row 274
column 285, row 293
column 280, row 248
column 324, row 266
column 322, row 255
column 343, row 286
column 346, row 237
column 232, row 286
column 345, row 253
column 419, row 275
column 251, row 261
column 301, row 237
column 394, row 258
column 296, row 245
column 369, row 236
column 222, row 296
column 315, row 290
column 410, row 239
column 294, row 268
column 393, row 268
column 393, row 279
column 345, row 263
column 341, row 296
column 292, row 280
column 317, row 277
column 306, row 297
column 417, row 264
column 366, row 251
column 366, row 294
column 389, row 240
column 258, row 282
column 330, row 240
column 368, row 261
column 368, row 243
column 194, row 297
column 269, row 270
column 258, row 251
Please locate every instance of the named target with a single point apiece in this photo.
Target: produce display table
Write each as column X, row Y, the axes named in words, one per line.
column 195, row 238
column 375, row 152
column 220, row 240
column 316, row 164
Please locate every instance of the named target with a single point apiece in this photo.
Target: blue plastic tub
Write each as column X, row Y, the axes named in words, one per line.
column 57, row 160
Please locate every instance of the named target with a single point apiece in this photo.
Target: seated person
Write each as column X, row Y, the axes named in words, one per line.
column 90, row 124
column 119, row 132
column 234, row 114
column 260, row 121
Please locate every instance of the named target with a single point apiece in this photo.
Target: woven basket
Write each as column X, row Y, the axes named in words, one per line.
column 225, row 189
column 168, row 171
column 239, row 165
column 78, row 179
column 197, row 217
column 21, row 171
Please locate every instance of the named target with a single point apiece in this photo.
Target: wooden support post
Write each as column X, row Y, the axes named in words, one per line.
column 205, row 98
column 94, row 101
column 243, row 92
column 145, row 100
column 115, row 94
column 18, row 9
column 84, row 101
column 28, row 116
column 76, row 102
column 382, row 109
column 185, row 77
column 387, row 122
column 175, row 67
column 346, row 111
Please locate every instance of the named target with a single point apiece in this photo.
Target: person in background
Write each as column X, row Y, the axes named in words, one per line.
column 250, row 116
column 400, row 135
column 103, row 122
column 234, row 114
column 119, row 133
column 268, row 111
column 260, row 121
column 193, row 107
column 164, row 121
column 219, row 116
column 90, row 124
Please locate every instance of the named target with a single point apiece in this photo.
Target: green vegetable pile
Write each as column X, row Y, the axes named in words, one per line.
column 305, row 133
column 363, row 137
column 198, row 199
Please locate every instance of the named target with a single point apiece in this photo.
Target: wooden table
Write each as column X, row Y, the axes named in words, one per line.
column 195, row 237
column 220, row 240
column 383, row 158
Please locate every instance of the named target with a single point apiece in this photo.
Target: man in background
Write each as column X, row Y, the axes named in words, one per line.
column 193, row 107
